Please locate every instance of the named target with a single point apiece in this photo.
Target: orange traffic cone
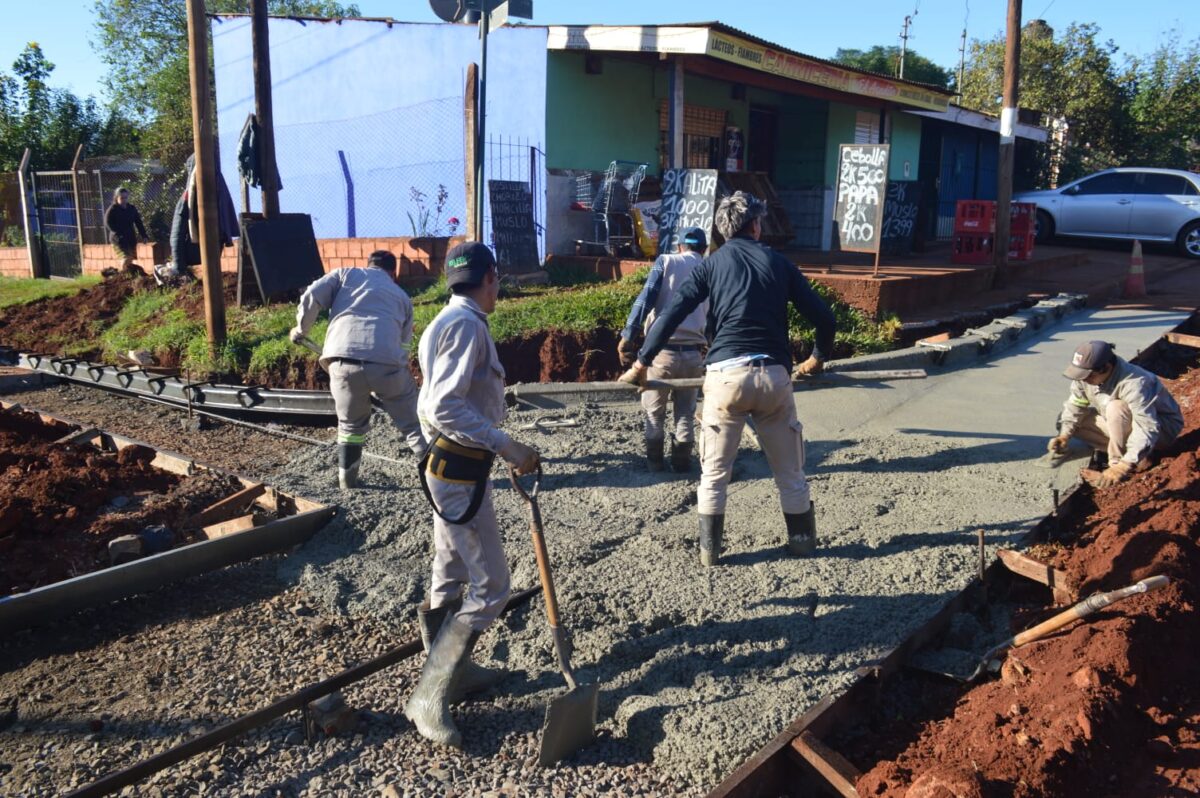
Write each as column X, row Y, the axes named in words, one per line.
column 1135, row 283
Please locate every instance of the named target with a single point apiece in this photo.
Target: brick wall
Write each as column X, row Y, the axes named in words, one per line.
column 14, row 262
column 98, row 257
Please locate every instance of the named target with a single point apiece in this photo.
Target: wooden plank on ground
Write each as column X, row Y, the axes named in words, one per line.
column 1184, row 339
column 229, row 527
column 840, row 774
column 81, row 435
column 229, row 507
column 1064, row 589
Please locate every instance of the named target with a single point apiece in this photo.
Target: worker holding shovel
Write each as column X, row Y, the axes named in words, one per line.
column 366, row 352
column 461, row 407
column 1121, row 410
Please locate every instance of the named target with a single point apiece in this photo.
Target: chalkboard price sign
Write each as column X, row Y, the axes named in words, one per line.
column 861, row 193
column 514, row 236
column 900, row 216
column 689, row 199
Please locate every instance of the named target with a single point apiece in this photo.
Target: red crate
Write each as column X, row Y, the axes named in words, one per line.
column 1023, row 214
column 1020, row 246
column 975, row 216
column 972, row 248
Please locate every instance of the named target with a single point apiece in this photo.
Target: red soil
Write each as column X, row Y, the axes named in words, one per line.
column 1109, row 707
column 55, row 514
column 48, row 325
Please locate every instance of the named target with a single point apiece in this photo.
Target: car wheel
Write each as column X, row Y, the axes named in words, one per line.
column 1189, row 240
column 1043, row 227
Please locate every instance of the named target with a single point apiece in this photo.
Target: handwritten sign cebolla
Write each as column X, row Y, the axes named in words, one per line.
column 861, row 193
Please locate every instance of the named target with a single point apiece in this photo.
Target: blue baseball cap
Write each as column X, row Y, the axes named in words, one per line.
column 695, row 237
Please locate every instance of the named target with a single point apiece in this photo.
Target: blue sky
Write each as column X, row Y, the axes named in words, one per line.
column 64, row 27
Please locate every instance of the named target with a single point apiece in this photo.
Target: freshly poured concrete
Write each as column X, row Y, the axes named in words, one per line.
column 699, row 667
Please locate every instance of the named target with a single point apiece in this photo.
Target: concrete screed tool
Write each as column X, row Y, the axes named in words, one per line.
column 570, row 719
column 1083, row 609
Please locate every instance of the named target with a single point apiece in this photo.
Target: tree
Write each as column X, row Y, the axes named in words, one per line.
column 886, row 61
column 145, row 47
column 1073, row 77
column 1165, row 110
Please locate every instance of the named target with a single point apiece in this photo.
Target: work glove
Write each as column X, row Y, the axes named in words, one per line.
column 636, row 375
column 809, row 367
column 626, row 352
column 1116, row 472
column 1058, row 445
column 524, row 459
column 295, row 334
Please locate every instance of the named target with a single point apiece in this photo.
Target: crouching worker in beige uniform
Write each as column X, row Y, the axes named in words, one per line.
column 461, row 405
column 365, row 352
column 1121, row 410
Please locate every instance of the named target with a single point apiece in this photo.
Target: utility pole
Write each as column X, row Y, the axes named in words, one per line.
column 206, row 174
column 1008, row 144
column 904, row 41
column 962, row 64
column 261, row 48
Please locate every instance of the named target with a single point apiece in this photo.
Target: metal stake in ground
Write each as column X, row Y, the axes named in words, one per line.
column 571, row 718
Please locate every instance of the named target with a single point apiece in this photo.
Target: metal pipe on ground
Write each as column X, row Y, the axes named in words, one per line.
column 296, row 701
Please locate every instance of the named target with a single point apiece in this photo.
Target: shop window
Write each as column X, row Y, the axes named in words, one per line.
column 703, row 130
column 866, row 127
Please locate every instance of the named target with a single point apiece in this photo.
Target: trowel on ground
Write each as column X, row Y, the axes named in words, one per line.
column 570, row 719
column 1057, row 459
column 1098, row 601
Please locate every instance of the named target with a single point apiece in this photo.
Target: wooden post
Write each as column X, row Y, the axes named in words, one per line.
column 470, row 136
column 675, row 155
column 29, row 214
column 261, row 46
column 78, row 206
column 206, row 174
column 1008, row 144
column 481, row 126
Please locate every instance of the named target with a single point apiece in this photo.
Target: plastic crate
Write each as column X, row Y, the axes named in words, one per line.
column 1022, row 216
column 975, row 216
column 1020, row 246
column 972, row 248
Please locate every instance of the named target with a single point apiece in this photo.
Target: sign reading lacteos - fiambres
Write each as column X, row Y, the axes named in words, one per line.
column 788, row 65
column 861, row 191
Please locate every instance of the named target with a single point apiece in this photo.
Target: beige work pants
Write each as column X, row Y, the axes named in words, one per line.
column 765, row 395
column 1110, row 432
column 468, row 559
column 352, row 385
column 669, row 365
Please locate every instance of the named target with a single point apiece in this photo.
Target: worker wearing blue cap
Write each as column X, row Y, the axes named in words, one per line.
column 681, row 358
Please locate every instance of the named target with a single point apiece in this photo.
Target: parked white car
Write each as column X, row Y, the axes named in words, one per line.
column 1130, row 203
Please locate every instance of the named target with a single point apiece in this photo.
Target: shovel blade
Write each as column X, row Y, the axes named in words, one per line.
column 570, row 724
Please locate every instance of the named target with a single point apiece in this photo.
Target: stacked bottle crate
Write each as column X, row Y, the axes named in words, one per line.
column 974, row 229
column 1022, row 233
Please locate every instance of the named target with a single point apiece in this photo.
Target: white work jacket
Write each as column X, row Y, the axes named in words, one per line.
column 370, row 317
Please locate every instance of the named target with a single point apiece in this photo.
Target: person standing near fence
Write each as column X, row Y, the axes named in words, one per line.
column 124, row 225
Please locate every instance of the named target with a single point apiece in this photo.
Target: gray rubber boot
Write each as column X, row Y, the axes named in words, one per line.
column 802, row 531
column 349, row 456
column 711, row 529
column 681, row 457
column 654, row 455
column 429, row 705
column 472, row 677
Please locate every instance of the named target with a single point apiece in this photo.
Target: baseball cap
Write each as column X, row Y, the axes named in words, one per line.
column 467, row 263
column 1088, row 358
column 695, row 237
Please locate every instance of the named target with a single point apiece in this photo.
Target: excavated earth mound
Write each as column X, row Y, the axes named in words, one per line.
column 1109, row 707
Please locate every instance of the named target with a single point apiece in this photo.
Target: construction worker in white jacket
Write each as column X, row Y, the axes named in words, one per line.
column 1121, row 410
column 366, row 352
column 461, row 407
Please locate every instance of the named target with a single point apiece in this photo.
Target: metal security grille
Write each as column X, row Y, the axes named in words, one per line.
column 58, row 224
column 517, row 160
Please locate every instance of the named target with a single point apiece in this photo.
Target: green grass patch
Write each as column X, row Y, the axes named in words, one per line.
column 23, row 290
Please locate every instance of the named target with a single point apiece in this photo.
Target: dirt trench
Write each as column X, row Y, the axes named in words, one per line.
column 1106, row 708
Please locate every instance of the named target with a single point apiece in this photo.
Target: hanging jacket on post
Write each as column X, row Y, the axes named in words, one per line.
column 185, row 251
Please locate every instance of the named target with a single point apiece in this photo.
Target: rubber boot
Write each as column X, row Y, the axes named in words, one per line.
column 429, row 705
column 349, row 456
column 654, row 455
column 711, row 528
column 681, row 457
column 472, row 677
column 802, row 531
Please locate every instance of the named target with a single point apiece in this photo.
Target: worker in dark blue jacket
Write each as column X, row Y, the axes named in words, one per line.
column 748, row 368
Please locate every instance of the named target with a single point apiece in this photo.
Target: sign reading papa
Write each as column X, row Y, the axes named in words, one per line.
column 861, row 191
column 689, row 199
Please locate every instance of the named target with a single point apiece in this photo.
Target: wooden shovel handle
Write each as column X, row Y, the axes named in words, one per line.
column 539, row 542
column 1086, row 607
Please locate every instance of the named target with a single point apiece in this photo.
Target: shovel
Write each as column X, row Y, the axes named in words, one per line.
column 571, row 718
column 1083, row 609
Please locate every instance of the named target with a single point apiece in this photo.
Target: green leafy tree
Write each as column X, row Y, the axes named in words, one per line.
column 145, row 47
column 886, row 61
column 1165, row 110
column 1072, row 76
